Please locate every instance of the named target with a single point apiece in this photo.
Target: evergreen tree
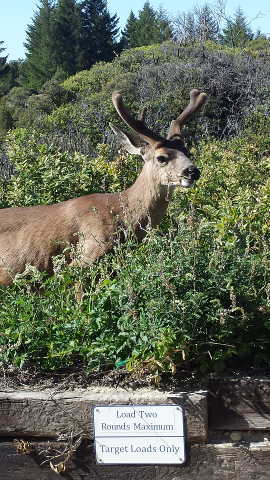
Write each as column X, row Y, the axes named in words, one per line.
column 66, row 35
column 190, row 28
column 39, row 65
column 3, row 60
column 237, row 33
column 11, row 77
column 164, row 25
column 98, row 33
column 150, row 27
column 206, row 24
column 129, row 32
column 4, row 70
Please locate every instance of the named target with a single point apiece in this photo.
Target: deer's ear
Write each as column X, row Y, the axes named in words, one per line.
column 128, row 141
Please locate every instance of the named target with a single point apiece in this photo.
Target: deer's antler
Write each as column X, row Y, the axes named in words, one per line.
column 197, row 99
column 138, row 125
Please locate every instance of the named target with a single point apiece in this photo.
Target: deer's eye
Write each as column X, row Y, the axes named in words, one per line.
column 162, row 159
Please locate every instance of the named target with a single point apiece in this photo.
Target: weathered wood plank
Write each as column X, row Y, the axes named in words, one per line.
column 239, row 404
column 206, row 461
column 56, row 415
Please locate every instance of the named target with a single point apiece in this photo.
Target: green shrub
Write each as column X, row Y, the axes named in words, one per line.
column 158, row 77
column 45, row 175
column 92, row 81
column 195, row 294
column 6, row 120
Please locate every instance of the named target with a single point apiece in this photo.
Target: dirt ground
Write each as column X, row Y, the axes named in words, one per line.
column 12, row 378
column 15, row 378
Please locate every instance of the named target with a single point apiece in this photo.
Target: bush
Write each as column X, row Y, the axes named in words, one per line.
column 195, row 294
column 158, row 77
column 6, row 120
column 45, row 175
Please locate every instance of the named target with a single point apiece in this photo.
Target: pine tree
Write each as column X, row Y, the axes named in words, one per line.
column 237, row 33
column 146, row 32
column 66, row 34
column 39, row 65
column 150, row 27
column 164, row 25
column 129, row 32
column 98, row 33
column 3, row 60
column 10, row 77
column 190, row 28
column 206, row 25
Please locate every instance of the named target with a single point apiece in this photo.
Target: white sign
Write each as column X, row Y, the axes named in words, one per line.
column 139, row 434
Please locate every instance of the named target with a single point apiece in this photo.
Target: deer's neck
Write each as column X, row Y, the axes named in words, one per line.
column 147, row 201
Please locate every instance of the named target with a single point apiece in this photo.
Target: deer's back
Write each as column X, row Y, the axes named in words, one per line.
column 32, row 235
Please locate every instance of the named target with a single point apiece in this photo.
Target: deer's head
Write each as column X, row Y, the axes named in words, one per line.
column 167, row 157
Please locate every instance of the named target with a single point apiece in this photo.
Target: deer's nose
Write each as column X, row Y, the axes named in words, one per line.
column 191, row 172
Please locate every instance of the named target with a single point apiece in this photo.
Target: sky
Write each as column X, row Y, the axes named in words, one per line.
column 17, row 14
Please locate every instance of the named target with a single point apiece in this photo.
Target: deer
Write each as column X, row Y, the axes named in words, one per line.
column 90, row 223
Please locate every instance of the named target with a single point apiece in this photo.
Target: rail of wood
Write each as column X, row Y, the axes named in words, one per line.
column 227, row 433
column 55, row 415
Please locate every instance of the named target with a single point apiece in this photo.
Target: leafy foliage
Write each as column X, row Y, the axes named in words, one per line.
column 74, row 115
column 194, row 294
column 160, row 78
column 3, row 61
column 44, row 175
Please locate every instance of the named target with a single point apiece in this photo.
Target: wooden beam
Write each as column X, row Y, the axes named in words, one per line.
column 239, row 404
column 207, row 461
column 56, row 415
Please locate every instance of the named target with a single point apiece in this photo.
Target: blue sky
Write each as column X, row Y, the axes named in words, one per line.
column 17, row 14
